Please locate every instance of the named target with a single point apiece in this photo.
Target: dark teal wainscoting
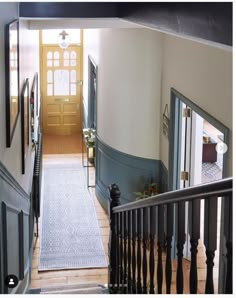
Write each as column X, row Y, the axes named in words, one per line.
column 129, row 172
column 16, row 236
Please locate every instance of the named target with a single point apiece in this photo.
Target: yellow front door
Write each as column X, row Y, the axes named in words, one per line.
column 61, row 90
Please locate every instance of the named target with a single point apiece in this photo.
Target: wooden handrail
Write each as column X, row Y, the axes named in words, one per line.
column 218, row 188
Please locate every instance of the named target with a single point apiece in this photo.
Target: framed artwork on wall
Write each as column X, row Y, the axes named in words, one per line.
column 34, row 105
column 12, row 78
column 24, row 122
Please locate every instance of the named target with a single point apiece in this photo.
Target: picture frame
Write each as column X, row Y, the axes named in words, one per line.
column 34, row 105
column 12, row 78
column 24, row 122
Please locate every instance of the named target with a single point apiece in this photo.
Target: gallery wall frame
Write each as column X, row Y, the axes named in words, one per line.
column 34, row 105
column 12, row 78
column 24, row 122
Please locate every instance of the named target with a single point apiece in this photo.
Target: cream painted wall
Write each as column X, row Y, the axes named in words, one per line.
column 201, row 73
column 11, row 157
column 133, row 70
column 129, row 89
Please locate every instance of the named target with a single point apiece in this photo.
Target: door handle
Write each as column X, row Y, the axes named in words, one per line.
column 62, row 99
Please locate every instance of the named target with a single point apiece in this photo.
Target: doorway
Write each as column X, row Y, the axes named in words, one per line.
column 197, row 154
column 61, row 92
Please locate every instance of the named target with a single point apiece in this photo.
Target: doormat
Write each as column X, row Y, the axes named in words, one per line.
column 69, row 236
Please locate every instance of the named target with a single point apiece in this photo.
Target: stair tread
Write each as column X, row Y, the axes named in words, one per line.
column 73, row 286
column 90, row 290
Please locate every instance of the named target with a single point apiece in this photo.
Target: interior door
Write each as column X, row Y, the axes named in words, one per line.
column 61, row 90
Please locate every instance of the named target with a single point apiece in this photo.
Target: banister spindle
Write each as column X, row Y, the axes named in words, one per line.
column 129, row 252
column 180, row 208
column 169, row 235
column 194, row 208
column 228, row 209
column 151, row 256
column 117, row 253
column 134, row 251
column 113, row 201
column 210, row 239
column 145, row 237
column 160, row 242
column 121, row 286
column 125, row 250
column 139, row 285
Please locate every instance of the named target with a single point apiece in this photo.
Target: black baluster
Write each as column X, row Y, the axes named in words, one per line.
column 169, row 235
column 113, row 201
column 145, row 237
column 129, row 252
column 210, row 240
column 160, row 242
column 118, row 281
column 133, row 251
column 151, row 256
column 139, row 285
column 125, row 251
column 194, row 232
column 121, row 252
column 228, row 237
column 180, row 208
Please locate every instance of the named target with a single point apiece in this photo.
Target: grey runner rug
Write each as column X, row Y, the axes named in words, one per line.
column 70, row 235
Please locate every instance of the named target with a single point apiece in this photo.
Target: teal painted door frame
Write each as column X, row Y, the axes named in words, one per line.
column 175, row 155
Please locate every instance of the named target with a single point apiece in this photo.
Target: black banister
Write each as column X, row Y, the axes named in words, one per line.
column 219, row 188
column 141, row 238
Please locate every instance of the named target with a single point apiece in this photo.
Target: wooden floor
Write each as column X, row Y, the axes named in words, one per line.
column 62, row 144
column 75, row 276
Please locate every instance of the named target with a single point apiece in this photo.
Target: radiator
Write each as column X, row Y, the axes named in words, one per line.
column 37, row 179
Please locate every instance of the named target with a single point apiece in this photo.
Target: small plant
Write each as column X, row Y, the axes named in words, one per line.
column 149, row 190
column 89, row 135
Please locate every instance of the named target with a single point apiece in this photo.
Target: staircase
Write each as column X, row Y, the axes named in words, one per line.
column 144, row 233
column 88, row 288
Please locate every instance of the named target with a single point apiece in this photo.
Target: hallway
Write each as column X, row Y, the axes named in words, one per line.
column 75, row 276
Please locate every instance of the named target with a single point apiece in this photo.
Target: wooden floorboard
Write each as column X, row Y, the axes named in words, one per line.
column 62, row 144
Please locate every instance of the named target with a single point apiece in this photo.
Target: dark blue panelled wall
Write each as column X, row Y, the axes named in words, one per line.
column 131, row 173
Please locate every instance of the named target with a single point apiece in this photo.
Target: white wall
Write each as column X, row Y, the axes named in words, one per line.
column 201, row 73
column 11, row 157
column 129, row 87
column 134, row 66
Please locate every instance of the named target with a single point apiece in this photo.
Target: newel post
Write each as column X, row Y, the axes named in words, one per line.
column 113, row 201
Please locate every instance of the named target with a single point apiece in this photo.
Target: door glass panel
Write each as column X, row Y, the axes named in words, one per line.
column 73, row 76
column 73, row 55
column 49, row 76
column 56, row 62
column 73, row 89
column 49, row 55
column 66, row 62
column 73, row 62
column 56, row 55
column 66, row 55
column 49, row 63
column 61, row 82
column 49, row 90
